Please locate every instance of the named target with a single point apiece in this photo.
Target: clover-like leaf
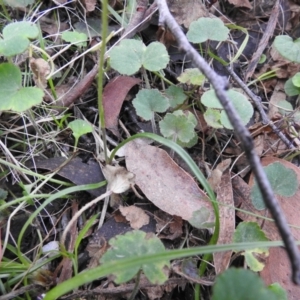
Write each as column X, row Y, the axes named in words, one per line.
column 207, row 29
column 155, row 57
column 147, row 102
column 13, row 95
column 283, row 181
column 130, row 55
column 175, row 95
column 241, row 284
column 288, row 48
column 177, row 126
column 251, row 232
column 75, row 37
column 127, row 57
column 191, row 76
column 239, row 101
column 135, row 244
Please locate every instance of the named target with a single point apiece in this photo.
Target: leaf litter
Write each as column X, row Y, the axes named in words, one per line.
column 165, row 184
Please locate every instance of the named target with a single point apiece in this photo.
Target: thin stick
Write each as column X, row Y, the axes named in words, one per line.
column 220, row 85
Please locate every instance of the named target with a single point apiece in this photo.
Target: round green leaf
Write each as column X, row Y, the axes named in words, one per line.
column 191, row 76
column 10, row 79
column 248, row 232
column 13, row 95
column 127, row 57
column 19, row 3
column 207, row 29
column 200, row 219
column 13, row 46
column 290, row 89
column 284, row 107
column 25, row 29
column 212, row 118
column 75, row 37
column 147, row 102
column 241, row 284
column 80, row 127
column 135, row 244
column 175, row 95
column 177, row 127
column 296, row 79
column 283, row 181
column 155, row 57
column 239, row 101
column 25, row 98
column 288, row 48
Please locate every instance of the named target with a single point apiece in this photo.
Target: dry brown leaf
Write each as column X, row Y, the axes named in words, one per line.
column 227, row 217
column 135, row 215
column 164, row 183
column 113, row 97
column 275, row 270
column 215, row 177
column 89, row 4
column 187, row 11
column 40, row 69
column 118, row 178
column 241, row 3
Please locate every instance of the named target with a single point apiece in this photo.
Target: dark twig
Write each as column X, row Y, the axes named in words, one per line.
column 220, row 86
column 257, row 102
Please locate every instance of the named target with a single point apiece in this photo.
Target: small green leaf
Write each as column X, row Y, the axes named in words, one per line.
column 16, row 37
column 175, row 95
column 147, row 102
column 207, row 29
column 13, row 95
column 191, row 76
column 127, row 57
column 288, row 48
column 155, row 57
column 239, row 101
column 212, row 118
column 262, row 59
column 13, row 46
column 177, row 126
column 278, row 290
column 296, row 80
column 23, row 28
column 284, row 107
column 283, row 181
column 251, row 232
column 199, row 219
column 80, row 127
column 241, row 284
column 290, row 89
column 3, row 194
column 19, row 3
column 135, row 244
column 75, row 37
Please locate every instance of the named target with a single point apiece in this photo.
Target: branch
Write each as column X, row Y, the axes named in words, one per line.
column 220, row 86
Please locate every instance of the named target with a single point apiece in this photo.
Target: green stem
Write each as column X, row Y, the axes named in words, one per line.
column 104, row 30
